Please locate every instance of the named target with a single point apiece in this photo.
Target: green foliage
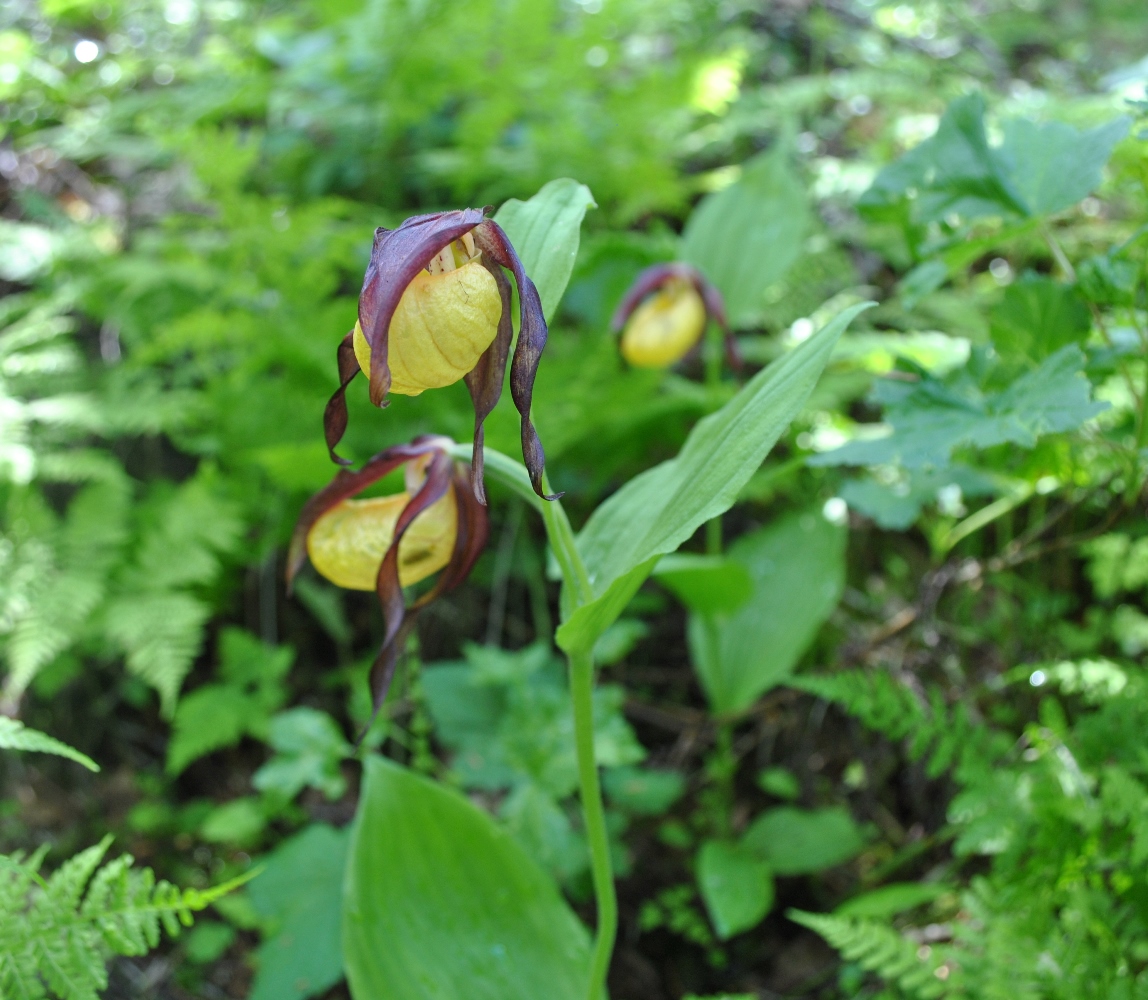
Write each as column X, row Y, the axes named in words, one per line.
column 440, row 900
column 673, row 499
column 779, row 782
column 675, row 909
column 946, row 736
column 545, row 232
column 157, row 621
column 797, row 571
column 1038, row 169
column 796, row 841
column 134, row 593
column 240, row 821
column 309, row 747
column 299, row 899
column 736, row 885
column 1037, row 317
column 707, row 584
column 1048, row 822
column 57, row 933
column 746, row 237
column 890, row 900
column 643, row 791
column 883, row 951
column 59, row 574
column 506, row 719
column 241, row 703
column 931, row 418
column 1117, row 564
column 14, row 735
column 186, row 221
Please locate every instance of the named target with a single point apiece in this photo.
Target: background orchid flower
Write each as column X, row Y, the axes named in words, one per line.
column 664, row 314
column 435, row 308
column 390, row 542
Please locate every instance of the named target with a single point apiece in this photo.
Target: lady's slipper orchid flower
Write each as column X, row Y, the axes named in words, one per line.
column 435, row 308
column 387, row 543
column 664, row 314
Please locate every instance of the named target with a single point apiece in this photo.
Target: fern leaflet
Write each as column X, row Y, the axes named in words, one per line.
column 14, row 735
column 920, row 971
column 57, row 933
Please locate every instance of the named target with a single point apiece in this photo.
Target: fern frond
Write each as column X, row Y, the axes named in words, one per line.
column 161, row 635
column 876, row 699
column 56, row 935
column 949, row 738
column 74, row 562
column 917, row 970
column 14, row 735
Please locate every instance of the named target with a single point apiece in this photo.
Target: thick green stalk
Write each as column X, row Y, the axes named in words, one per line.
column 561, row 537
column 594, row 816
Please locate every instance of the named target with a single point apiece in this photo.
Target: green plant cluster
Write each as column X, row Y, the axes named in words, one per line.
column 867, row 609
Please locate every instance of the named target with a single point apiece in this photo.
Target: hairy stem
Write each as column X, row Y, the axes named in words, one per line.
column 594, row 816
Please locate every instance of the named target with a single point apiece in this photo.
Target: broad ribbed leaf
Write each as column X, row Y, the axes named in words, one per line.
column 546, row 231
column 660, row 509
column 797, row 569
column 745, row 237
column 439, row 903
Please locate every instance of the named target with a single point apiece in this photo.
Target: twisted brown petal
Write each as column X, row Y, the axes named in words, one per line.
column 335, row 415
column 397, row 256
column 439, row 476
column 347, row 484
column 485, row 381
column 493, row 241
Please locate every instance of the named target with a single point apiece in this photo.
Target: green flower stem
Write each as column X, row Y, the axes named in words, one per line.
column 513, row 474
column 561, row 536
column 594, row 816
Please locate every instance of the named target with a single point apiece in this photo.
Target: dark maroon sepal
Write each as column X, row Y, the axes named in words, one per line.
column 335, row 415
column 396, row 258
column 484, row 382
column 348, row 484
column 492, row 240
column 472, row 530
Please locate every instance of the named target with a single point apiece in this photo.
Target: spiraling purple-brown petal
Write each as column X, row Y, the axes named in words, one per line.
column 347, row 484
column 396, row 258
column 484, row 381
column 335, row 415
column 439, row 475
column 492, row 240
